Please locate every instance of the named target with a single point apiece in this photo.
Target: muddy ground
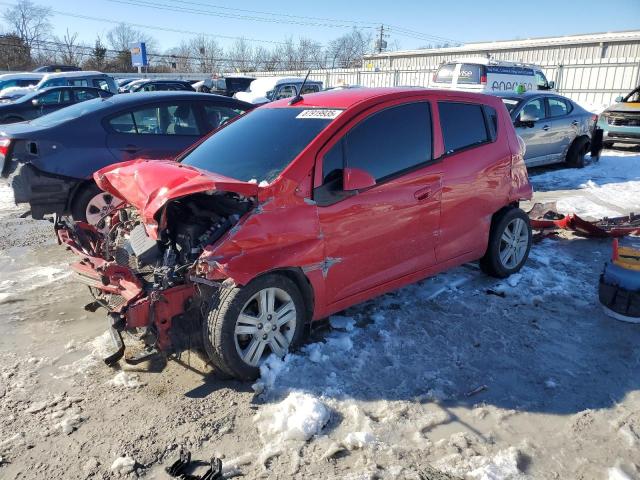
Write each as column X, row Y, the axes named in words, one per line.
column 460, row 374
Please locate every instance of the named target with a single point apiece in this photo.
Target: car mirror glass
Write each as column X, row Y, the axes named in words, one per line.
column 357, row 179
column 619, row 99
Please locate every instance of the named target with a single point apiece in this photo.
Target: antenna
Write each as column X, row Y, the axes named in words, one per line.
column 298, row 97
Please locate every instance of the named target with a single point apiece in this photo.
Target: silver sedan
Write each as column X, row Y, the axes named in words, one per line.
column 554, row 128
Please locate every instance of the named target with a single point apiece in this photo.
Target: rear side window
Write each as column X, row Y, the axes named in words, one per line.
column 471, row 73
column 309, row 89
column 492, row 121
column 445, row 73
column 100, row 83
column 82, row 94
column 157, row 120
column 391, row 141
column 558, row 107
column 218, row 115
column 463, row 125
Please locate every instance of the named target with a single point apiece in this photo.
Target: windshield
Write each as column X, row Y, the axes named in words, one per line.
column 261, row 144
column 510, row 103
column 633, row 97
column 68, row 113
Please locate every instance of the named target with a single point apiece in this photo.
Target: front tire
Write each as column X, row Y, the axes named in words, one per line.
column 92, row 205
column 509, row 243
column 246, row 324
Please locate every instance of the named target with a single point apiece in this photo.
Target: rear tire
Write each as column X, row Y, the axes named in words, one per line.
column 577, row 151
column 90, row 204
column 509, row 243
column 246, row 324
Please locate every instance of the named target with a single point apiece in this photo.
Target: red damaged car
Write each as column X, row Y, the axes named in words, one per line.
column 300, row 209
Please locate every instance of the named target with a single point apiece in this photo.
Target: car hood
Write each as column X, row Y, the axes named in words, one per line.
column 149, row 184
column 255, row 98
column 624, row 107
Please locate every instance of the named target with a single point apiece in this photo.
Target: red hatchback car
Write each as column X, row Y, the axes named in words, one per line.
column 300, row 209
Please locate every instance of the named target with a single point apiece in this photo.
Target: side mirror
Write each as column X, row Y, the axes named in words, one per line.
column 35, row 102
column 619, row 99
column 356, row 179
column 552, row 85
column 525, row 120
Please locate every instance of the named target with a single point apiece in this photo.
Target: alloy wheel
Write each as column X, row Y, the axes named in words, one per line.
column 513, row 243
column 100, row 206
column 266, row 324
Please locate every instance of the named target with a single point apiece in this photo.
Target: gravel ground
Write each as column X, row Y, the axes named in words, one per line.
column 459, row 376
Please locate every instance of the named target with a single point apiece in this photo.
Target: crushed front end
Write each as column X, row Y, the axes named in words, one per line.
column 144, row 275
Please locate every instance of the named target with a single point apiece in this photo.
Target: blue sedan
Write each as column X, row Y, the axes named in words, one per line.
column 51, row 159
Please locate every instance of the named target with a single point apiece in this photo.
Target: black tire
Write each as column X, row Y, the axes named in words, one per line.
column 218, row 326
column 81, row 200
column 577, row 151
column 491, row 263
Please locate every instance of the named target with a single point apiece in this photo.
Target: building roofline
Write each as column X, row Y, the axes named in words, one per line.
column 620, row 36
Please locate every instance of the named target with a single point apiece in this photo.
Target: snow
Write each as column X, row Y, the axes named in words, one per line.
column 126, row 380
column 298, row 417
column 358, row 440
column 123, row 465
column 503, row 466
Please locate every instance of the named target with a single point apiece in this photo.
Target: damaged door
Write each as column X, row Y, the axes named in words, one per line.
column 384, row 232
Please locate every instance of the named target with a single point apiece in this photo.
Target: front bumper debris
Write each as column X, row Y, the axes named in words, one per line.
column 132, row 305
column 545, row 219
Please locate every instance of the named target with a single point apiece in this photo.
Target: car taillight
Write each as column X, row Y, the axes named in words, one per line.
column 483, row 79
column 4, row 146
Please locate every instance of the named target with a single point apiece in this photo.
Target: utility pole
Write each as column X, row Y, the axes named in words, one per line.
column 381, row 43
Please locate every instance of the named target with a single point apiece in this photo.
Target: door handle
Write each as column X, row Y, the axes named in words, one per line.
column 130, row 149
column 422, row 194
column 545, row 128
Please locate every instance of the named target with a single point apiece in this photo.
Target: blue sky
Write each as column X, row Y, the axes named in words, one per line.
column 460, row 20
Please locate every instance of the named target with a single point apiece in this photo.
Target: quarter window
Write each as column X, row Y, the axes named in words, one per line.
column 541, row 80
column 333, row 164
column 463, row 125
column 391, row 141
column 492, row 116
column 100, row 83
column 558, row 107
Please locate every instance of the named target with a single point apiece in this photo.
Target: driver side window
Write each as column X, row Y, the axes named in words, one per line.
column 532, row 111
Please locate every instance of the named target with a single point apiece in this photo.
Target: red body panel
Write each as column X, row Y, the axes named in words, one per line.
column 412, row 226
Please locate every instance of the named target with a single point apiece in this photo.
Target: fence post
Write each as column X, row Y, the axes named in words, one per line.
column 395, row 78
column 358, row 79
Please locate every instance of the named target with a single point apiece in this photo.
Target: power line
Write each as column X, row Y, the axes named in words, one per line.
column 152, row 27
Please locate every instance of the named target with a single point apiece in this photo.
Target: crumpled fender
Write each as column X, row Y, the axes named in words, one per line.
column 262, row 242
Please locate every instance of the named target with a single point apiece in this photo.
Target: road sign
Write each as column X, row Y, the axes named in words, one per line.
column 139, row 55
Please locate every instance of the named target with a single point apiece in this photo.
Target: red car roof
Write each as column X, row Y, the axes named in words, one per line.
column 349, row 97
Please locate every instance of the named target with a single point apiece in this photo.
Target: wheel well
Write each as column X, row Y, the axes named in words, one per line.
column 75, row 190
column 580, row 137
column 297, row 276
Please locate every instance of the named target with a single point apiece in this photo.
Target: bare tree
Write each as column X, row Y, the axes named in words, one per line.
column 14, row 53
column 178, row 58
column 209, row 54
column 241, row 56
column 347, row 51
column 120, row 39
column 29, row 22
column 72, row 52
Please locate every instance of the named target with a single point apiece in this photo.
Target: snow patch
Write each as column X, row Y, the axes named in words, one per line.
column 126, row 380
column 358, row 440
column 299, row 416
column 503, row 466
column 123, row 465
column 342, row 323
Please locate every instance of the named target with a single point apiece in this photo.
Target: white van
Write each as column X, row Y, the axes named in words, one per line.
column 478, row 74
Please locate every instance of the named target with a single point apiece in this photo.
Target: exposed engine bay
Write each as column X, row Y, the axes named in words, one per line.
column 192, row 223
column 144, row 283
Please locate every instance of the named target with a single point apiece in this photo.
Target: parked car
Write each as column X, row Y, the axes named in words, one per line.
column 9, row 80
column 126, row 88
column 226, row 86
column 71, row 79
column 160, row 86
column 47, row 100
column 254, row 233
column 268, row 89
column 479, row 74
column 123, row 82
column 52, row 158
column 554, row 128
column 58, row 68
column 621, row 122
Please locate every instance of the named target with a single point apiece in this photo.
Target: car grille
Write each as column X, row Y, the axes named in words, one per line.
column 620, row 119
column 623, row 135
